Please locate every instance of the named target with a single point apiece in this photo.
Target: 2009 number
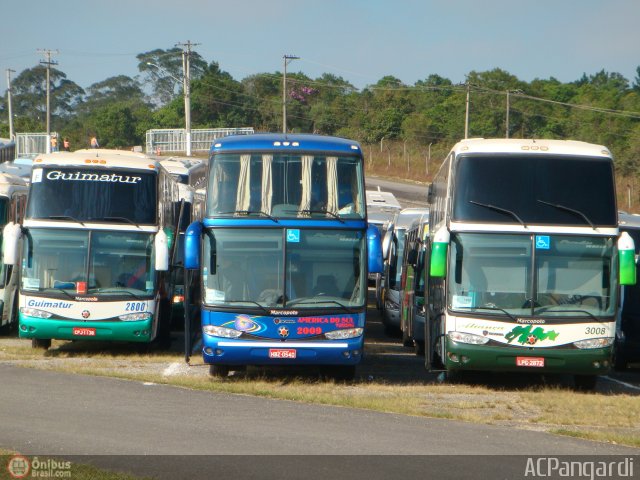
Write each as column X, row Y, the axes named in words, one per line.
column 135, row 307
column 309, row 330
column 595, row 331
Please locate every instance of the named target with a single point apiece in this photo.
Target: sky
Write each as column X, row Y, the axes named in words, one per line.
column 358, row 40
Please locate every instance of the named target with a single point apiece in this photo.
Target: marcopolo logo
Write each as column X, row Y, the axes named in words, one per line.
column 20, row 466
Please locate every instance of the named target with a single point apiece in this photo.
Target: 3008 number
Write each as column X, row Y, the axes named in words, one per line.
column 595, row 331
column 135, row 307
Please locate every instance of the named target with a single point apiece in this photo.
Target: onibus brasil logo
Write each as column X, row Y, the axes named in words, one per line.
column 20, row 466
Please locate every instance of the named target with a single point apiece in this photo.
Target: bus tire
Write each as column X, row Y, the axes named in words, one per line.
column 585, row 383
column 619, row 361
column 43, row 343
column 407, row 341
column 341, row 373
column 418, row 348
column 219, row 371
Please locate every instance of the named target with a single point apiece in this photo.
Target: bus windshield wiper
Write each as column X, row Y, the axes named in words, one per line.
column 326, row 212
column 62, row 290
column 119, row 219
column 315, row 301
column 252, row 212
column 499, row 209
column 569, row 209
column 552, row 309
column 498, row 309
column 65, row 217
column 262, row 307
column 118, row 290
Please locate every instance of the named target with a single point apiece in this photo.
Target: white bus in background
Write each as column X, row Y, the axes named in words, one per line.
column 93, row 250
column 13, row 200
column 191, row 175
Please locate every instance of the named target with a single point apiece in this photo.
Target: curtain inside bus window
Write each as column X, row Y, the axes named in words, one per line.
column 332, row 184
column 267, row 183
column 243, row 196
column 305, row 201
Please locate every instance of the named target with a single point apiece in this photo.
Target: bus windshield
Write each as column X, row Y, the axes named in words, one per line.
column 526, row 275
column 319, row 268
column 535, row 189
column 82, row 261
column 284, row 185
column 99, row 195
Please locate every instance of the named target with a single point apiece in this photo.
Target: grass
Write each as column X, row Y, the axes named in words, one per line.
column 613, row 418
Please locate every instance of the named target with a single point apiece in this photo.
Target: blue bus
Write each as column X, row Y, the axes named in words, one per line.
column 283, row 252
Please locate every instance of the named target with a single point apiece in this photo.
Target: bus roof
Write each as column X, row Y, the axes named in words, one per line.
column 530, row 146
column 181, row 165
column 288, row 142
column 628, row 220
column 99, row 156
column 405, row 217
column 10, row 183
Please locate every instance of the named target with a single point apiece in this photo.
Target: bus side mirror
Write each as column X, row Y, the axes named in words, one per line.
column 192, row 246
column 10, row 238
column 430, row 193
column 439, row 249
column 161, row 245
column 626, row 259
column 412, row 255
column 374, row 247
column 386, row 242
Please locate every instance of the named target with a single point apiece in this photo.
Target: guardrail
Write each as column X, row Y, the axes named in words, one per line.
column 171, row 140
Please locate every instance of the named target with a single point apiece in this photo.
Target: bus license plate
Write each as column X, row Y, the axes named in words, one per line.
column 84, row 332
column 530, row 361
column 282, row 353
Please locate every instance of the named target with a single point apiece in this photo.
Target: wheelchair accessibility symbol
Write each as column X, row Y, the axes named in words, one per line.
column 543, row 242
column 293, row 236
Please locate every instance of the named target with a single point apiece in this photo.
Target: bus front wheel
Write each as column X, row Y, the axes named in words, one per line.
column 585, row 383
column 219, row 371
column 43, row 343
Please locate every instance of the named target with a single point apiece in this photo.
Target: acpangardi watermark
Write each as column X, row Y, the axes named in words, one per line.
column 20, row 466
column 557, row 468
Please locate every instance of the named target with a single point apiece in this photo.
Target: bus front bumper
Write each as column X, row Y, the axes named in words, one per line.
column 462, row 356
column 137, row 331
column 225, row 351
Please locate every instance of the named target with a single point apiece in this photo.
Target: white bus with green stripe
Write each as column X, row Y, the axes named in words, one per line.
column 525, row 259
column 93, row 250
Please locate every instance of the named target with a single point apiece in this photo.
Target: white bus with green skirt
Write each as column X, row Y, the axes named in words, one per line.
column 525, row 259
column 93, row 250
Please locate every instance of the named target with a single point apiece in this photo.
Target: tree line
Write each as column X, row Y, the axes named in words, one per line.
column 389, row 117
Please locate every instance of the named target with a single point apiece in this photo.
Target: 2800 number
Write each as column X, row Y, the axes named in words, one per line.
column 135, row 307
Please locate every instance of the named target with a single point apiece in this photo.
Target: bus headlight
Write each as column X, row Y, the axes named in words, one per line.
column 216, row 331
column 461, row 337
column 344, row 333
column 594, row 343
column 35, row 313
column 134, row 317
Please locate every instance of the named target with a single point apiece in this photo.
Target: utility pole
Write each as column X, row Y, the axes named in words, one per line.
column 466, row 115
column 186, row 87
column 48, row 62
column 287, row 59
column 9, row 72
column 507, row 118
